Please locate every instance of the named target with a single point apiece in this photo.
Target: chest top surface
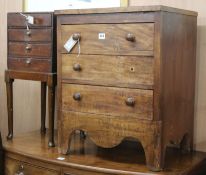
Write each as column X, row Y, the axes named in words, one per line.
column 154, row 8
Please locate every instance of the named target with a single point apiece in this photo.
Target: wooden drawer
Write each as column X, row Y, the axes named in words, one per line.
column 14, row 167
column 120, row 39
column 71, row 171
column 108, row 100
column 28, row 64
column 40, row 20
column 31, row 35
column 124, row 71
column 19, row 49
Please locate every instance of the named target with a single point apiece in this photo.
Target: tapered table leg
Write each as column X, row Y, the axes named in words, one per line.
column 9, row 90
column 43, row 107
column 51, row 105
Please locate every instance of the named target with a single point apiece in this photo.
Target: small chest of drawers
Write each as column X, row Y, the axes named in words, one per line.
column 134, row 77
column 32, row 56
column 30, row 46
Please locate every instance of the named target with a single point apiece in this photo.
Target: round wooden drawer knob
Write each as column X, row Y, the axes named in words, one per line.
column 28, row 33
column 28, row 47
column 28, row 61
column 77, row 67
column 77, row 96
column 76, row 36
column 130, row 101
column 130, row 37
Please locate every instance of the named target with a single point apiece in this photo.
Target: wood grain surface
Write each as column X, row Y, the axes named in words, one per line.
column 115, row 42
column 143, row 8
column 200, row 95
column 35, row 35
column 18, row 49
column 17, row 165
column 25, row 87
column 108, row 101
column 30, row 149
column 30, row 64
column 40, row 20
column 122, row 71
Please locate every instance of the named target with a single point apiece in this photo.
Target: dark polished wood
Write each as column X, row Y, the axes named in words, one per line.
column 43, row 106
column 30, row 151
column 136, row 82
column 46, row 80
column 9, row 89
column 32, row 56
column 40, row 19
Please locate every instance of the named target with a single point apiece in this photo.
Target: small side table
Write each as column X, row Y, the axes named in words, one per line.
column 46, row 80
column 32, row 56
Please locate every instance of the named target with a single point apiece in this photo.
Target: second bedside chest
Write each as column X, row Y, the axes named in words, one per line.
column 32, row 56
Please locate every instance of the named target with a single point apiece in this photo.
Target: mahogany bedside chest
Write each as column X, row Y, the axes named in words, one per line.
column 131, row 74
column 32, row 56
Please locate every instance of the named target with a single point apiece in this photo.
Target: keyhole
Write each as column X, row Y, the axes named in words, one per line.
column 132, row 69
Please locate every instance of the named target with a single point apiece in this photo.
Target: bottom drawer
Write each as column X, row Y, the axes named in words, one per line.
column 15, row 167
column 33, row 65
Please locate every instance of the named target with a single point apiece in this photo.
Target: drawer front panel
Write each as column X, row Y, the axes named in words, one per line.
column 82, row 172
column 123, row 71
column 111, row 39
column 108, row 100
column 30, row 49
column 33, row 65
column 31, row 35
column 13, row 167
column 41, row 19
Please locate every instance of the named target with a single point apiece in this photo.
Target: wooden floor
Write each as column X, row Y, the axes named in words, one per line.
column 127, row 158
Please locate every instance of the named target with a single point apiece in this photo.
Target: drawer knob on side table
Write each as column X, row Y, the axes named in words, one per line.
column 28, row 61
column 28, row 33
column 77, row 96
column 77, row 67
column 130, row 101
column 76, row 36
column 28, row 47
column 130, row 37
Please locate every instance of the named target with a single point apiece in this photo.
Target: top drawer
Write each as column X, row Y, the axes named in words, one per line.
column 40, row 20
column 111, row 39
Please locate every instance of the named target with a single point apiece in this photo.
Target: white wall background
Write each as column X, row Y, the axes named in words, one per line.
column 51, row 5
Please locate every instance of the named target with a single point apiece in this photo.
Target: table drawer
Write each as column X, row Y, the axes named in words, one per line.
column 108, row 100
column 19, row 49
column 36, row 35
column 83, row 172
column 29, row 64
column 123, row 71
column 14, row 167
column 111, row 39
column 40, row 20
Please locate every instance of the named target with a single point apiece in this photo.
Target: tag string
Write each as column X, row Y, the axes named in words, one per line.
column 27, row 25
column 79, row 48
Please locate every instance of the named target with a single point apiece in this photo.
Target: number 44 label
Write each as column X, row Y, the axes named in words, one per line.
column 102, row 36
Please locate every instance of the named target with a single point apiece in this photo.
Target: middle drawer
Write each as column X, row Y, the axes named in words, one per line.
column 108, row 101
column 35, row 35
column 21, row 49
column 120, row 71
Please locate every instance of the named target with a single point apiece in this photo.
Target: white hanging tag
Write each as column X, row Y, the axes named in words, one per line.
column 30, row 19
column 70, row 44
